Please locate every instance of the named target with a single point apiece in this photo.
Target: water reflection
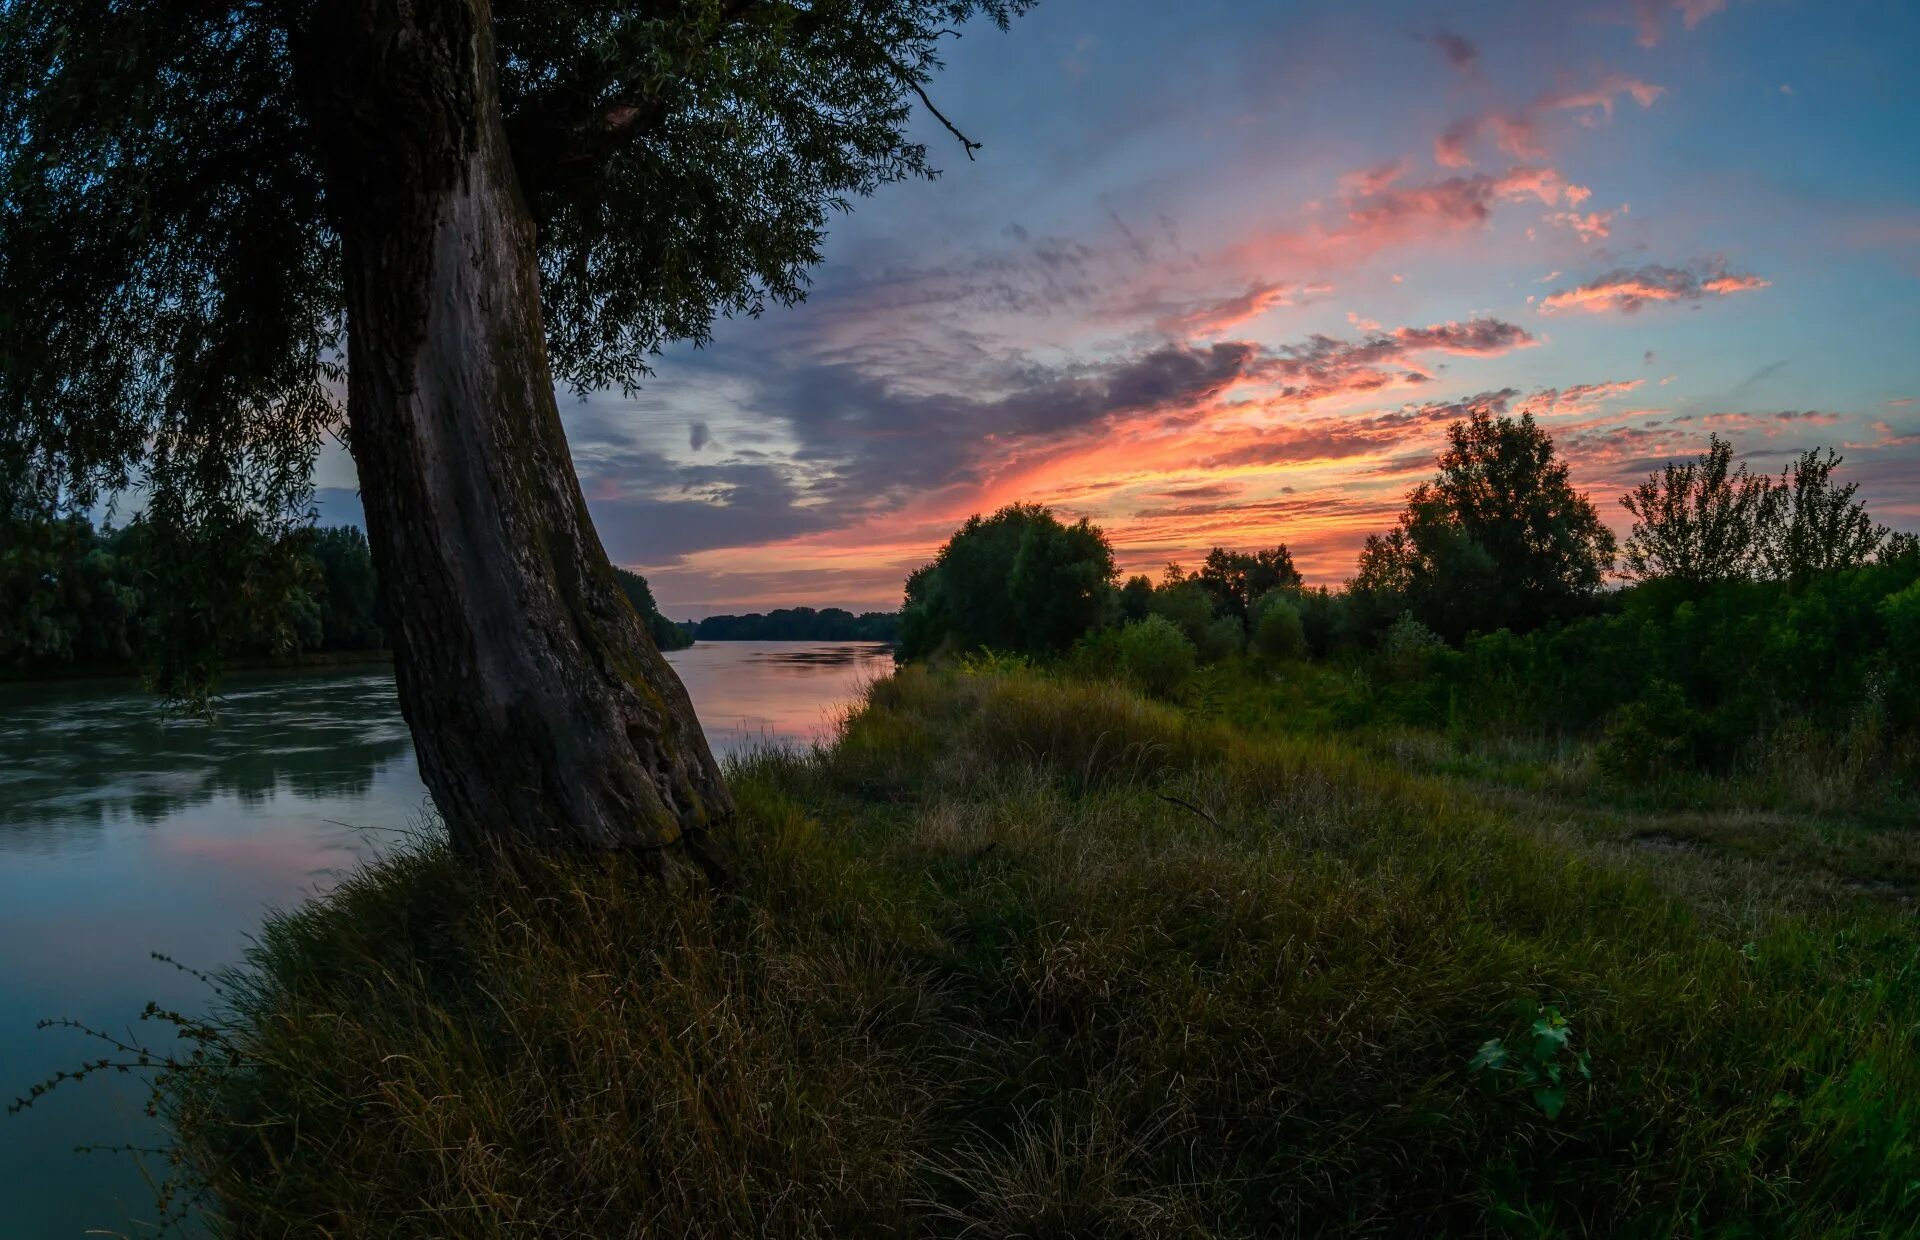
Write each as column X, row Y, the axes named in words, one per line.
column 123, row 831
column 757, row 693
column 72, row 760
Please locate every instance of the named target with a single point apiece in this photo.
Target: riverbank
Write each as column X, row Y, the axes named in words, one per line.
column 1019, row 955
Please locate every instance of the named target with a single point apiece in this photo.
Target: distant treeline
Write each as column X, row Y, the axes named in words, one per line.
column 75, row 598
column 1760, row 616
column 829, row 624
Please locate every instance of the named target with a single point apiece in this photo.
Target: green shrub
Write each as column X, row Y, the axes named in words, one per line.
column 1187, row 606
column 1220, row 640
column 1278, row 632
column 1650, row 737
column 1407, row 647
column 1157, row 655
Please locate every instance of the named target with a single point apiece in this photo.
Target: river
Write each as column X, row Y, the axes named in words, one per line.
column 123, row 833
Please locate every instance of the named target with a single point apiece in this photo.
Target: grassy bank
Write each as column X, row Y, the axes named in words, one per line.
column 1022, row 956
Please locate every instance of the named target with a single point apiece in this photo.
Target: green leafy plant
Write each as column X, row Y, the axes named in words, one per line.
column 1539, row 1066
column 988, row 662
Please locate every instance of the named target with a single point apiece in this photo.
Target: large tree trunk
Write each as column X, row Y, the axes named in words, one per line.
column 541, row 711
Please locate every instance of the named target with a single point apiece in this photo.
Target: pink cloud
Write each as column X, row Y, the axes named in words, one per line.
column 1628, row 290
column 1517, row 133
column 1214, row 318
column 1592, row 226
column 1650, row 16
column 1580, row 398
column 1362, row 182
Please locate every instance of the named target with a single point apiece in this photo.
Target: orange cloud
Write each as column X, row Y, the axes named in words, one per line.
column 1627, row 290
column 1593, row 226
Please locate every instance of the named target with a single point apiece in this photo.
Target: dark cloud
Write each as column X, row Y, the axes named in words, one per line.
column 1461, row 54
column 860, row 442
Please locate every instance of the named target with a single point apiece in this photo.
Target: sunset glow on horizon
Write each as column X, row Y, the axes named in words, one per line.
column 1222, row 274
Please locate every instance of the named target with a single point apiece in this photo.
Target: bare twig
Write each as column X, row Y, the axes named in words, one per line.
column 966, row 143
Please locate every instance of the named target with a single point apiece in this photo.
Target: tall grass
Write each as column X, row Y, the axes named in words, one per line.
column 1017, row 956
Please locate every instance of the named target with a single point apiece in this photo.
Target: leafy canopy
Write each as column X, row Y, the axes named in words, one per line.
column 1702, row 521
column 1499, row 538
column 170, row 265
column 1019, row 581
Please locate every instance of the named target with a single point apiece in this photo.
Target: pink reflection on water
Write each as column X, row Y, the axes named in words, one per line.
column 750, row 694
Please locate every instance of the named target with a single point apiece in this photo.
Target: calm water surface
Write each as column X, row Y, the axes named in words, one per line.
column 124, row 833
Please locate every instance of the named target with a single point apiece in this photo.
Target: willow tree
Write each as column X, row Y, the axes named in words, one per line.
column 214, row 211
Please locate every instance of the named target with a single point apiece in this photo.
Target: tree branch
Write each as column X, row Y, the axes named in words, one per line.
column 968, row 144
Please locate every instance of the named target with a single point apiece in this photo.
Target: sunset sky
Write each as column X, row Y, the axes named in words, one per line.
column 1223, row 272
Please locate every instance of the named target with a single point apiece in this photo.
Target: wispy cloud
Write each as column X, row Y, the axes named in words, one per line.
column 1459, row 53
column 1627, row 290
column 1651, row 18
column 1517, row 132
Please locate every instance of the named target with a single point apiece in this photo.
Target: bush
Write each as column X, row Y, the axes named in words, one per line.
column 1650, row 737
column 1278, row 631
column 1187, row 607
column 1158, row 657
column 1220, row 640
column 1405, row 649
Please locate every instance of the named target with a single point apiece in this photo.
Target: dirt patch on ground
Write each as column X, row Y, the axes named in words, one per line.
column 1667, row 842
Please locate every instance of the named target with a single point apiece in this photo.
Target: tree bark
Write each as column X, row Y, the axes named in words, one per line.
column 541, row 711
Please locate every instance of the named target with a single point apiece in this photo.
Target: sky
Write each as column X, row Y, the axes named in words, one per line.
column 1222, row 273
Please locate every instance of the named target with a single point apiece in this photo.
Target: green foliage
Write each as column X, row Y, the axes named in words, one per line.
column 1136, row 598
column 1701, row 521
column 1499, row 539
column 1156, row 655
column 1652, row 736
column 1687, row 677
column 1186, row 606
column 990, row 663
column 76, row 598
column 1278, row 631
column 1408, row 647
column 1019, row 581
column 1238, row 579
column 1221, row 639
column 351, row 614
column 66, row 597
column 1539, row 1067
column 1818, row 527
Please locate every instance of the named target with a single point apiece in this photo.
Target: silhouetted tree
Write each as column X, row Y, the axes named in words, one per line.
column 1236, row 579
column 1019, row 581
column 1816, row 526
column 1699, row 521
column 209, row 208
column 1499, row 538
column 1136, row 598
